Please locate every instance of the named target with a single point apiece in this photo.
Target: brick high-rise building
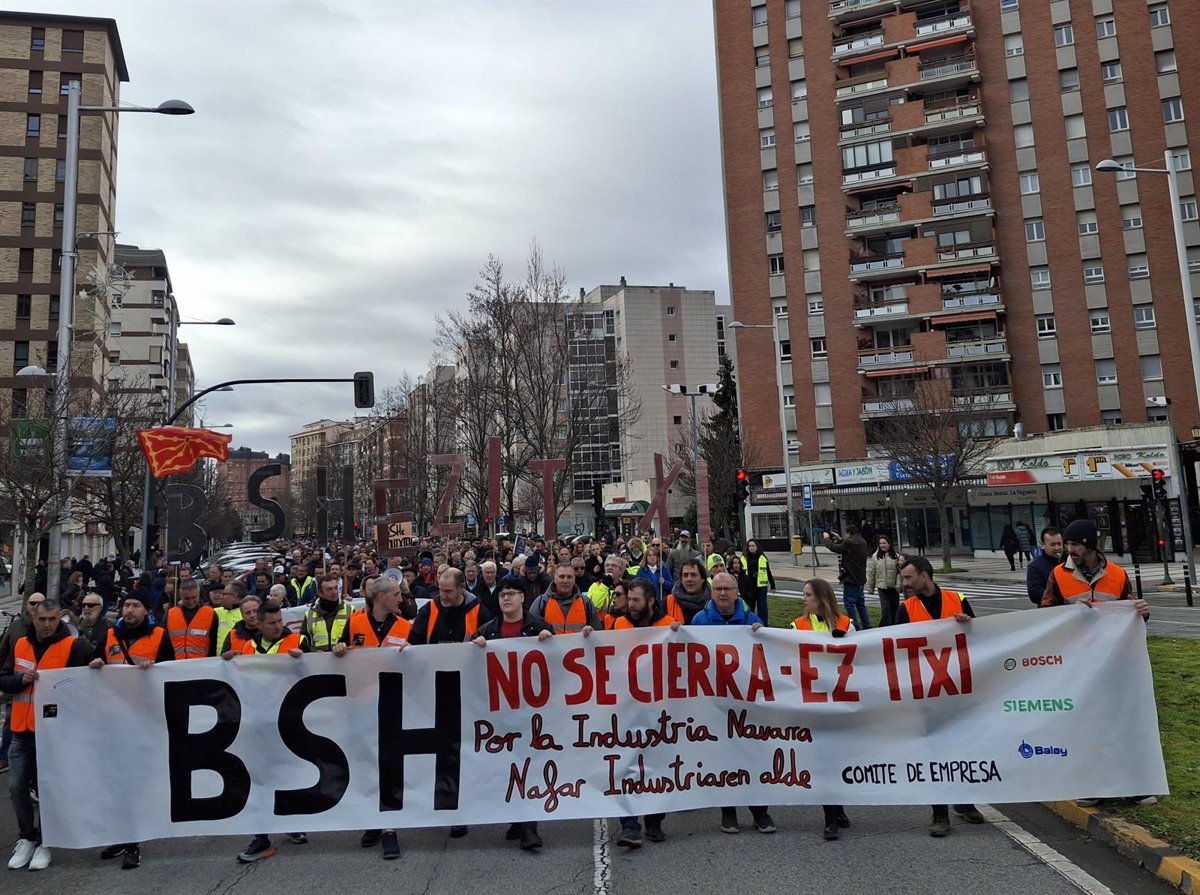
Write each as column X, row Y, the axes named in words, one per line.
column 910, row 192
column 39, row 55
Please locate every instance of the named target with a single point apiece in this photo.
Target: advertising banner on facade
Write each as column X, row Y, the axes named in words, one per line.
column 1019, row 707
column 1087, row 466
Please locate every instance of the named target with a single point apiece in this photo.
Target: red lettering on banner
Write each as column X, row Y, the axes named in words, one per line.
column 698, row 660
column 491, row 742
column 840, row 692
column 675, row 670
column 889, row 665
column 727, row 664
column 912, row 645
column 503, row 680
column 635, row 689
column 604, row 696
column 809, row 673
column 944, row 679
column 535, row 660
column 964, row 661
column 573, row 663
column 939, row 664
column 760, row 677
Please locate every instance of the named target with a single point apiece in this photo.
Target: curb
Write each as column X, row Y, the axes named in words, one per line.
column 1136, row 843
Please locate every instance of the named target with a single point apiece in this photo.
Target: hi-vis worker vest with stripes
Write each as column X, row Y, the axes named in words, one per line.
column 56, row 656
column 324, row 631
column 572, row 623
column 226, row 619
column 816, row 623
column 763, row 565
column 472, row 621
column 951, row 606
column 144, row 649
column 190, row 639
column 1108, row 586
column 287, row 642
column 362, row 631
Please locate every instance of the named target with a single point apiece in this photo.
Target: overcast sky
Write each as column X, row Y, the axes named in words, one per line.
column 351, row 165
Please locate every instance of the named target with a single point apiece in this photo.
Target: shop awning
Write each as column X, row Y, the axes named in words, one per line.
column 951, row 319
column 958, row 271
column 893, row 487
column 894, row 371
column 934, row 44
column 626, row 508
column 872, row 57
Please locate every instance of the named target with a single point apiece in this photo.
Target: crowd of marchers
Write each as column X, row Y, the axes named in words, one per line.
column 470, row 590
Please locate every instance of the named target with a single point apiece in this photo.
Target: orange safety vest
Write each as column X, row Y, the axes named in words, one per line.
column 624, row 623
column 673, row 610
column 609, row 620
column 190, row 639
column 144, row 649
column 291, row 640
column 1107, row 587
column 56, row 656
column 572, row 623
column 237, row 641
column 804, row 623
column 362, row 631
column 472, row 620
column 951, row 606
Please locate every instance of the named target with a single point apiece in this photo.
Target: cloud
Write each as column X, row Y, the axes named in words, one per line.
column 351, row 166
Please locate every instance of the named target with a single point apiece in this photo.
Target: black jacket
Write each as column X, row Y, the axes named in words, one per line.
column 1037, row 574
column 81, row 654
column 451, row 623
column 854, row 552
column 531, row 628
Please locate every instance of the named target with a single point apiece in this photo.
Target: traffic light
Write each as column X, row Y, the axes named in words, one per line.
column 743, row 484
column 364, row 389
column 1158, row 480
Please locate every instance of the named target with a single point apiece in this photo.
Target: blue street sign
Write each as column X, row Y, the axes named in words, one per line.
column 806, row 490
column 471, row 520
column 500, row 523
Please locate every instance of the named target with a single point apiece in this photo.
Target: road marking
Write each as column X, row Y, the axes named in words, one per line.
column 600, row 857
column 1070, row 871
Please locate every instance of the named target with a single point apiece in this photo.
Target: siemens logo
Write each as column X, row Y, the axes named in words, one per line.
column 1039, row 705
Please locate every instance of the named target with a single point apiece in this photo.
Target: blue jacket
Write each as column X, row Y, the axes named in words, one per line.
column 1036, row 574
column 711, row 615
column 662, row 580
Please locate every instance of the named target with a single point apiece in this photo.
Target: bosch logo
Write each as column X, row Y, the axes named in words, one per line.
column 1010, row 664
column 1041, row 660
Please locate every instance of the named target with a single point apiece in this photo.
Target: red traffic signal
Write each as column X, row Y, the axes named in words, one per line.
column 1161, row 543
column 742, row 475
column 1158, row 475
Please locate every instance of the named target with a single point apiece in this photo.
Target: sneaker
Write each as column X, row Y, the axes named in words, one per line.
column 22, row 854
column 970, row 814
column 370, row 838
column 630, row 837
column 831, row 831
column 132, row 859
column 1087, row 803
column 654, row 831
column 763, row 823
column 513, row 833
column 3, row 765
column 391, row 846
column 41, row 858
column 259, row 848
column 530, row 840
column 729, row 822
column 113, row 851
column 842, row 820
column 1144, row 800
column 458, row 832
column 939, row 826
column 298, row 838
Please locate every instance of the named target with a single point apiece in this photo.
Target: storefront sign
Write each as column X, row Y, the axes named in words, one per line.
column 1123, row 463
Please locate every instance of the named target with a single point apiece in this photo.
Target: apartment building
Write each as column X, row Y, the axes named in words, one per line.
column 233, row 477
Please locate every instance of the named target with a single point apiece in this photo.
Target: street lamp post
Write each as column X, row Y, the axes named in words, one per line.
column 1171, row 169
column 66, row 291
column 787, row 460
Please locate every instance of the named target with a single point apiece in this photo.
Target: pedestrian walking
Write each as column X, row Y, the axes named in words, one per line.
column 1010, row 546
column 758, row 568
column 1024, row 543
column 883, row 577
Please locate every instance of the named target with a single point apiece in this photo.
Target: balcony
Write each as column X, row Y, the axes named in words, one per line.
column 958, row 253
column 877, row 358
column 869, row 85
column 955, row 157
column 858, row 43
column 970, row 300
column 849, row 10
column 957, row 68
column 855, row 178
column 873, row 312
column 964, row 206
column 975, row 349
column 881, row 215
column 865, row 129
column 876, row 264
column 953, row 110
column 998, row 399
column 886, row 406
column 942, row 25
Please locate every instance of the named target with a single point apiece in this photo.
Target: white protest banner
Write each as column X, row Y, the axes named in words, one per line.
column 1052, row 704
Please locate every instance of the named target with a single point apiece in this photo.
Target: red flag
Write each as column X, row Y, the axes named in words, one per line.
column 174, row 449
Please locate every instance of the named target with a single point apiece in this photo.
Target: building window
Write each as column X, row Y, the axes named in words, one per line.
column 1081, row 175
column 1035, row 231
column 35, row 83
column 1039, row 277
column 804, row 174
column 758, row 15
column 1159, row 16
column 33, row 125
column 1009, row 5
column 816, row 304
column 795, row 48
column 1051, row 376
column 20, row 403
column 1085, row 223
column 771, row 179
column 58, row 216
column 114, row 328
column 773, row 222
column 1126, row 162
column 1118, row 119
column 1143, row 317
column 1106, row 27
column 1110, row 72
column 672, row 337
column 60, row 170
column 1152, row 368
column 56, row 259
column 677, row 420
column 775, row 264
column 28, row 214
column 764, row 98
column 1030, row 184
column 1110, row 417
column 825, row 439
column 1023, row 136
column 818, row 348
column 1099, row 321
column 72, row 41
column 791, row 8
column 1013, row 46
column 822, row 394
column 1068, row 80
column 1076, row 129
column 1045, row 326
column 1139, row 267
column 24, row 306
column 785, row 349
column 64, row 82
column 1106, row 371
column 1093, row 275
column 766, row 138
column 114, row 358
column 1131, row 217
column 1164, row 62
column 1188, row 209
column 25, row 261
column 20, row 355
column 1183, row 160
column 801, row 131
column 674, row 365
column 37, row 40
column 62, row 127
column 789, row 400
column 1064, row 36
column 158, row 298
column 31, row 170
column 761, row 59
column 1056, row 422
column 1172, row 110
column 808, row 215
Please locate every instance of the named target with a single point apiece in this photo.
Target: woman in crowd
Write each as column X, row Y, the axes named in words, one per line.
column 883, row 575
column 657, row 573
column 759, row 570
